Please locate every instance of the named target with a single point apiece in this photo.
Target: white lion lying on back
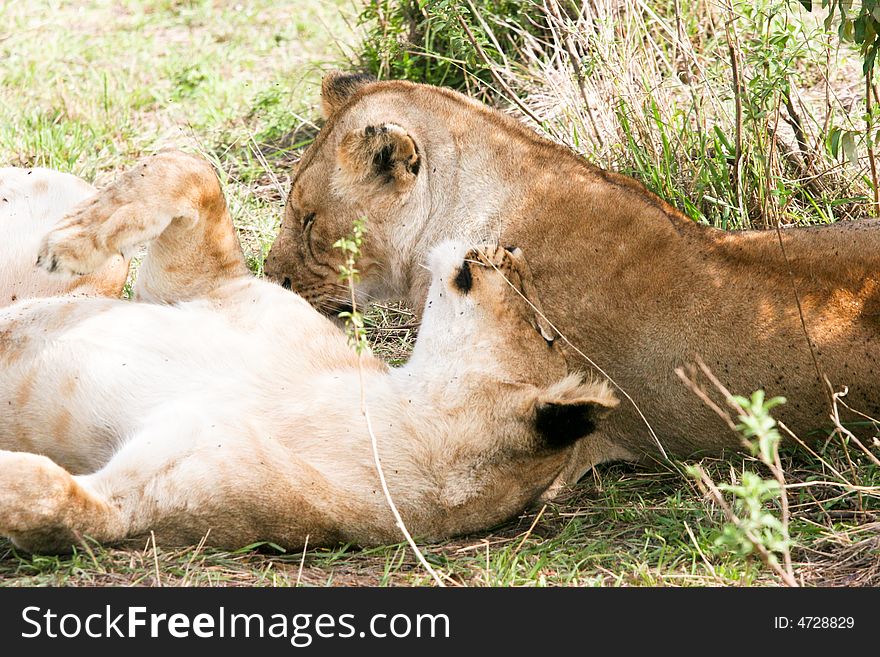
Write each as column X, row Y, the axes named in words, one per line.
column 230, row 407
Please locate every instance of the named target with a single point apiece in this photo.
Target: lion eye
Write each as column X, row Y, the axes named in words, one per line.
column 307, row 220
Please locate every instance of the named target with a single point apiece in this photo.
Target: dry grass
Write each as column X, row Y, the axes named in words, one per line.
column 846, row 558
column 724, row 109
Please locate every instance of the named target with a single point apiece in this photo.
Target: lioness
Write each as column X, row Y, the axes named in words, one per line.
column 632, row 282
column 230, row 408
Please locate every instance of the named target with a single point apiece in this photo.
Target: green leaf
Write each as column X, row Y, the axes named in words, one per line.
column 834, row 142
column 859, row 29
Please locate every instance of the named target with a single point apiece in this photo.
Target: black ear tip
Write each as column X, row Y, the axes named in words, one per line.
column 343, row 82
column 337, row 87
column 561, row 425
column 464, row 279
column 510, row 249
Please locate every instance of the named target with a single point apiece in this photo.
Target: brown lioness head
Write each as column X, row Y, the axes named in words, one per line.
column 368, row 162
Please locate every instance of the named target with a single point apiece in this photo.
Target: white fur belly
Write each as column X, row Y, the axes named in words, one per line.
column 78, row 377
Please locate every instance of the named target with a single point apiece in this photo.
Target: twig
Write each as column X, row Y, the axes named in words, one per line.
column 156, row 558
column 501, row 83
column 192, row 558
column 399, row 521
column 255, row 148
column 835, row 417
column 529, row 532
column 812, row 452
column 769, row 200
column 850, row 488
column 797, row 298
column 553, row 8
column 700, row 550
column 870, row 139
column 794, row 120
column 870, row 418
column 488, row 32
column 827, row 79
column 699, row 392
column 779, row 475
column 375, row 447
column 738, row 90
column 775, row 466
column 85, row 544
column 302, row 562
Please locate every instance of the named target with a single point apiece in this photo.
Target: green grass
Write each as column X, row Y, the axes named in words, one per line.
column 89, row 89
column 625, row 526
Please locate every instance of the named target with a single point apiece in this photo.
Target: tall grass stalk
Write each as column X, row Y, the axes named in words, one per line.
column 351, row 247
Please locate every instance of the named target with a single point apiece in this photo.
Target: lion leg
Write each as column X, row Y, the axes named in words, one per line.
column 184, row 476
column 173, row 203
column 44, row 508
column 161, row 479
column 32, row 202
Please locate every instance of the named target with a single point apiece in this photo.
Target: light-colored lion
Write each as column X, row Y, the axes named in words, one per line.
column 633, row 283
column 226, row 406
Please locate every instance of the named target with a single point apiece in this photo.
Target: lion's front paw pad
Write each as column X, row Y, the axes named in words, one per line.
column 73, row 249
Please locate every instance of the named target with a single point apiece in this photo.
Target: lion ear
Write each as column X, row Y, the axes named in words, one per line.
column 337, row 87
column 385, row 153
column 571, row 410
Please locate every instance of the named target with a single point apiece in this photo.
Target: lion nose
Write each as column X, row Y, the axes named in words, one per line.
column 286, row 284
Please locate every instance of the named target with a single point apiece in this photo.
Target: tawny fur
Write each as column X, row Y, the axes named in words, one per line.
column 230, row 408
column 32, row 202
column 633, row 283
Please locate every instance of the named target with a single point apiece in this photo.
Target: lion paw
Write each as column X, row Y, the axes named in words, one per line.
column 495, row 256
column 75, row 247
column 34, row 492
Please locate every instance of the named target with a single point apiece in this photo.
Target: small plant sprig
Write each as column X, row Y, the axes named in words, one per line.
column 756, row 524
column 751, row 528
column 761, row 436
column 349, row 274
column 757, row 426
column 357, row 337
